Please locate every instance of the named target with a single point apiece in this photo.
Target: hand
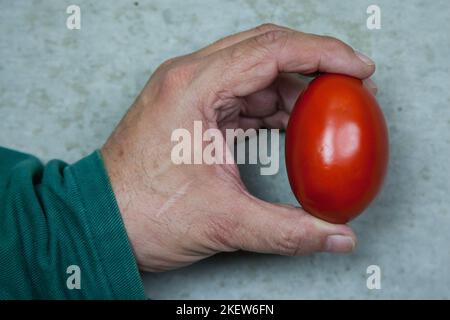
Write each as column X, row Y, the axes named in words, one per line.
column 178, row 214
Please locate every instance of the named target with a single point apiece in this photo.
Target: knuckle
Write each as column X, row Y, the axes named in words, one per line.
column 168, row 63
column 242, row 59
column 175, row 72
column 266, row 27
column 221, row 230
column 258, row 47
column 271, row 38
column 334, row 44
column 290, row 242
column 295, row 239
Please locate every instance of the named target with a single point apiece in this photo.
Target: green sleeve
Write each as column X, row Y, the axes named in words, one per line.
column 56, row 216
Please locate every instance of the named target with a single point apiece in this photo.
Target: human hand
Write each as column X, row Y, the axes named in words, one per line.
column 178, row 214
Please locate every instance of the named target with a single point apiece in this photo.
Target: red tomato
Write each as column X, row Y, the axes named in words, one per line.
column 336, row 148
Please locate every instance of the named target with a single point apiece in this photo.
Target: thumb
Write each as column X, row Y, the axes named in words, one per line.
column 286, row 230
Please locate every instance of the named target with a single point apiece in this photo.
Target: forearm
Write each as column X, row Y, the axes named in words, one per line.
column 56, row 216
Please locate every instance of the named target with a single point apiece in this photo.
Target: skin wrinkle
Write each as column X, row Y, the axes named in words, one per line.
column 304, row 238
column 285, row 36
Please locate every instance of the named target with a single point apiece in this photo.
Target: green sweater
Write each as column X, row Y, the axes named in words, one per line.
column 61, row 232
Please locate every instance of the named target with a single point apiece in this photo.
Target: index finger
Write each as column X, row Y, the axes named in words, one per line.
column 236, row 38
column 253, row 64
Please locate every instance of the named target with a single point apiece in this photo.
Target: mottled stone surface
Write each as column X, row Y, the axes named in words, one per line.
column 62, row 92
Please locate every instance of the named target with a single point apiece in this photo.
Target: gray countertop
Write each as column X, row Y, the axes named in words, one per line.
column 63, row 91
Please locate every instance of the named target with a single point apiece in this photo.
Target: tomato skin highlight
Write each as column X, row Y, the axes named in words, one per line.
column 337, row 148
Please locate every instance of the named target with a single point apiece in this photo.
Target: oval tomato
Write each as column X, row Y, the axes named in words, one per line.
column 336, row 148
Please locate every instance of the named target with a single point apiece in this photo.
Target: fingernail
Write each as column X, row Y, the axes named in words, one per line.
column 372, row 86
column 365, row 58
column 339, row 243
